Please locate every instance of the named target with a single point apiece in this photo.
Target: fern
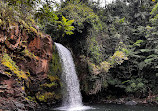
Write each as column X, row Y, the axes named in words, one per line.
column 65, row 26
column 138, row 43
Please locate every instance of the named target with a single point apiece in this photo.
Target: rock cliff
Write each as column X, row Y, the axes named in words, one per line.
column 26, row 83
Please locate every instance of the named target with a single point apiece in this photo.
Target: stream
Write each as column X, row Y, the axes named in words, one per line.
column 115, row 107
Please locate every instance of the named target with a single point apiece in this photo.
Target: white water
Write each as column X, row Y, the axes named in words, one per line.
column 72, row 99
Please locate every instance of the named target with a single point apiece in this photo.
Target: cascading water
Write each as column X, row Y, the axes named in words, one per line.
column 72, row 99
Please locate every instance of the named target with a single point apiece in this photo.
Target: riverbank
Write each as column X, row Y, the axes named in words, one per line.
column 128, row 101
column 116, row 107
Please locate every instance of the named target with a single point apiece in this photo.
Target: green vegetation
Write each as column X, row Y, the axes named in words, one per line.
column 26, row 52
column 117, row 44
column 65, row 25
column 8, row 62
column 45, row 97
column 114, row 47
column 55, row 68
column 11, row 13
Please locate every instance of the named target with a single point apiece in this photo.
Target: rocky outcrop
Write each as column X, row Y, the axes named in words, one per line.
column 131, row 103
column 25, row 80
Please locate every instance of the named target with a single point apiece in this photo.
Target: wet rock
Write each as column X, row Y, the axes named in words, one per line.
column 131, row 103
column 19, row 106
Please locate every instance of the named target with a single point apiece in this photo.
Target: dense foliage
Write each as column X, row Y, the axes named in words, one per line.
column 117, row 44
column 115, row 47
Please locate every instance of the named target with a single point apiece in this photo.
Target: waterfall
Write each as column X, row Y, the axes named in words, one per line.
column 72, row 95
column 72, row 99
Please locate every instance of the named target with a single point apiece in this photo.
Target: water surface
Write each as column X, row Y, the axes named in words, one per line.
column 113, row 107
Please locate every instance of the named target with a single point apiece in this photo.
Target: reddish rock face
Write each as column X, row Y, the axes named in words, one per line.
column 31, row 52
column 42, row 49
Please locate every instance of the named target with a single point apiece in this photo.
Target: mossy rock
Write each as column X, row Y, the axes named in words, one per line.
column 49, row 85
column 8, row 62
column 47, row 96
column 55, row 68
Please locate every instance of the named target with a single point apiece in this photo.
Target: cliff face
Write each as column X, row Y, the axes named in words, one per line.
column 25, row 80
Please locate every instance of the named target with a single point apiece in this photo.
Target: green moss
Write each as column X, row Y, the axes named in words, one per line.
column 1, row 22
column 55, row 65
column 54, row 74
column 8, row 62
column 33, row 30
column 45, row 96
column 49, row 85
column 29, row 28
column 28, row 53
column 53, row 78
column 29, row 98
column 8, row 74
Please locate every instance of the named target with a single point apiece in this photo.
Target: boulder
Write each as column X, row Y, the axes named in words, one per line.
column 131, row 103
